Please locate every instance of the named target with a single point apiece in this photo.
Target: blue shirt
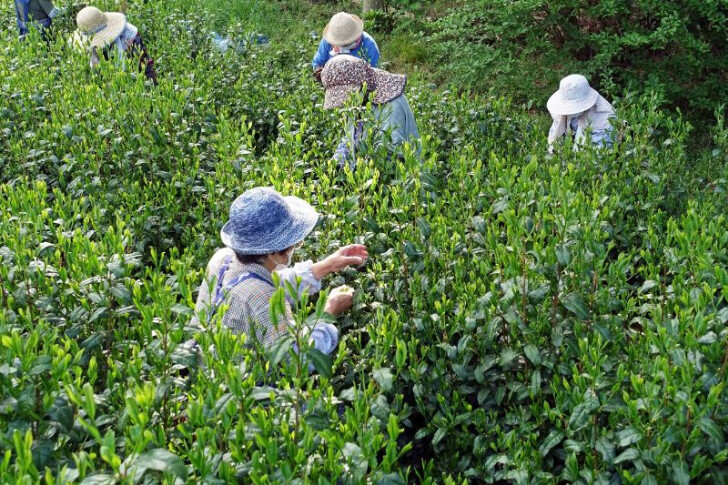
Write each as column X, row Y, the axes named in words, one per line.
column 367, row 50
column 394, row 124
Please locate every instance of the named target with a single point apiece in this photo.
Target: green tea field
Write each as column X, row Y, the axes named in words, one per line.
column 523, row 317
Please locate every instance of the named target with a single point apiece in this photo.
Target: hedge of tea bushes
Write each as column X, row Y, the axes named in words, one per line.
column 523, row 317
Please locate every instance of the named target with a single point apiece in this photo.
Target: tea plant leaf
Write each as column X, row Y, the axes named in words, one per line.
column 575, row 303
column 355, row 457
column 181, row 309
column 384, row 378
column 160, row 460
column 582, row 412
column 709, row 427
column 279, row 350
column 648, row 285
column 99, row 479
column 628, row 437
column 680, row 473
column 627, row 455
column 563, row 255
column 606, row 449
column 553, row 439
column 533, row 354
column 321, row 362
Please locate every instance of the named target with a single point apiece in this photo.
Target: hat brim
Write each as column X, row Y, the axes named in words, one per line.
column 304, row 218
column 341, row 41
column 336, row 96
column 389, row 86
column 115, row 23
column 560, row 107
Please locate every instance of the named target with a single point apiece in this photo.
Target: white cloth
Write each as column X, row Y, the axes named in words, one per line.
column 597, row 119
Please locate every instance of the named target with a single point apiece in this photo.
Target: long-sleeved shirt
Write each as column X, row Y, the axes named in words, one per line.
column 40, row 11
column 395, row 124
column 249, row 301
column 597, row 119
column 367, row 50
column 121, row 44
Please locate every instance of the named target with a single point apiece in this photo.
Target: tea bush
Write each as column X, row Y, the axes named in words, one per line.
column 523, row 317
column 524, row 47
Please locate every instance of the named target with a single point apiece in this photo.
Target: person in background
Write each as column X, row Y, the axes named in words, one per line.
column 110, row 34
column 262, row 233
column 578, row 107
column 38, row 13
column 394, row 121
column 344, row 34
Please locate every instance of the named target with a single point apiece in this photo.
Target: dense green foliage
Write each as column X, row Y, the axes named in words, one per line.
column 523, row 317
column 524, row 47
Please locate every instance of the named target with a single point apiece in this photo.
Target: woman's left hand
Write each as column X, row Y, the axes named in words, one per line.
column 351, row 255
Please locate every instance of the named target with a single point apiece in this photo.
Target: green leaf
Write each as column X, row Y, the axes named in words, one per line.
column 279, row 350
column 680, row 473
column 181, row 309
column 533, row 354
column 161, row 460
column 99, row 479
column 563, row 255
column 627, row 455
column 321, row 362
column 357, row 461
column 648, row 285
column 580, row 417
column 709, row 427
column 575, row 303
column 553, row 439
column 628, row 437
column 439, row 435
column 384, row 378
column 605, row 448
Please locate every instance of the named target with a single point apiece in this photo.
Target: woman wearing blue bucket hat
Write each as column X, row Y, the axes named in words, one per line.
column 263, row 231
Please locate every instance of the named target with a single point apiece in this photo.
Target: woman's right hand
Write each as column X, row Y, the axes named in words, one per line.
column 340, row 299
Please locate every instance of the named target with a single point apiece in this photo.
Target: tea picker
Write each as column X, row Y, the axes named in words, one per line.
column 394, row 122
column 223, row 44
column 35, row 13
column 578, row 107
column 262, row 233
column 108, row 34
column 344, row 34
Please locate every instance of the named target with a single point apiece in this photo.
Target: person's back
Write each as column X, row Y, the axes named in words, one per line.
column 344, row 34
column 37, row 12
column 248, row 301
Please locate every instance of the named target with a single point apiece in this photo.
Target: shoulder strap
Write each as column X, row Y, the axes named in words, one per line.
column 221, row 291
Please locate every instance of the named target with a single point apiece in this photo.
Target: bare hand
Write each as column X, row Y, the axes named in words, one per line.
column 351, row 255
column 340, row 300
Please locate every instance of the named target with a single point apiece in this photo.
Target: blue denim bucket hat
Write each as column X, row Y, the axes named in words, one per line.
column 262, row 221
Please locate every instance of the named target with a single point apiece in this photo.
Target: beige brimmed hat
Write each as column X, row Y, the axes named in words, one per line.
column 344, row 75
column 574, row 96
column 102, row 28
column 343, row 29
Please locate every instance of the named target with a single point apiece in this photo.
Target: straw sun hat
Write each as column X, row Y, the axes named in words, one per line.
column 262, row 221
column 102, row 28
column 574, row 96
column 343, row 29
column 344, row 75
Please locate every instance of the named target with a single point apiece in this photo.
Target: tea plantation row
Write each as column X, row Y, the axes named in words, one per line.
column 524, row 318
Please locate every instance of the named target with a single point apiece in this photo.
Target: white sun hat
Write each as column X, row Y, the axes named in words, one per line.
column 574, row 96
column 343, row 29
column 101, row 28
